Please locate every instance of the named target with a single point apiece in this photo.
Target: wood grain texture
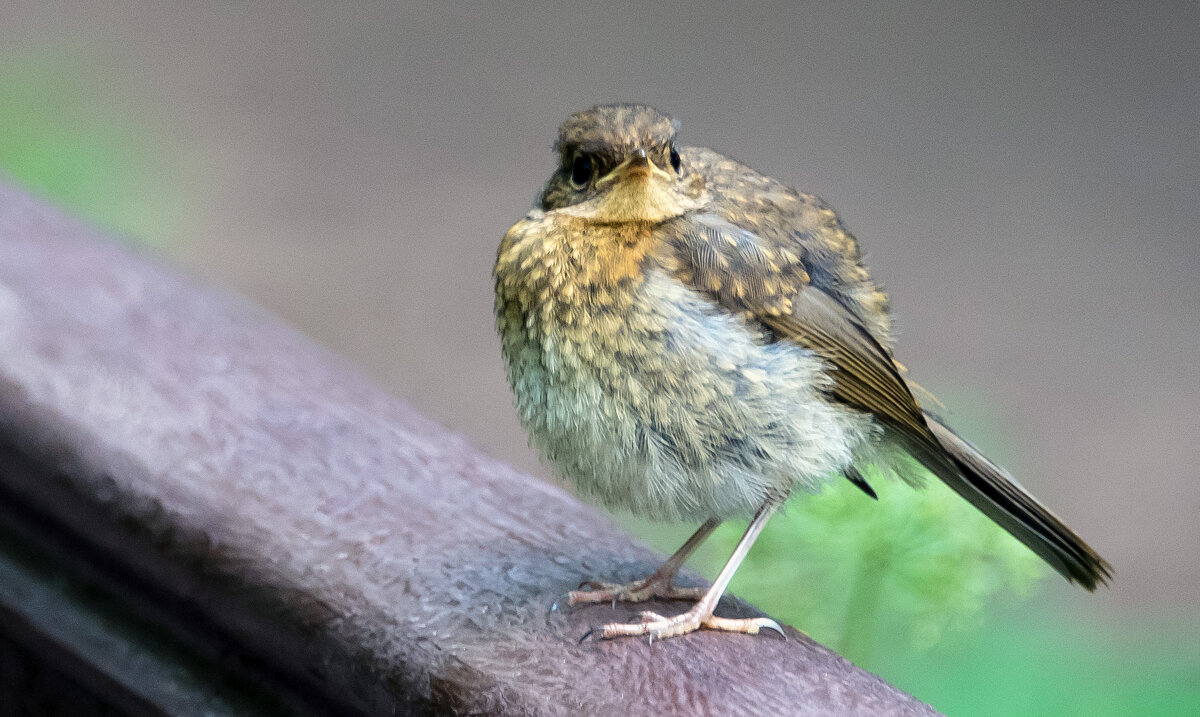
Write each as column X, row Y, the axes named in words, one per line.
column 278, row 511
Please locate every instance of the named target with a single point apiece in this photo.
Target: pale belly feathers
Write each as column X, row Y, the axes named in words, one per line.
column 675, row 409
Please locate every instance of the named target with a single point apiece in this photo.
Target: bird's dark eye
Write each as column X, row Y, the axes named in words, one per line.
column 581, row 170
column 676, row 162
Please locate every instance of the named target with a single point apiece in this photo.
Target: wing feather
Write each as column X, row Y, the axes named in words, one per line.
column 748, row 277
column 770, row 285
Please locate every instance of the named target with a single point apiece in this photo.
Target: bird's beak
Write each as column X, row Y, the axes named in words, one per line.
column 638, row 163
column 636, row 166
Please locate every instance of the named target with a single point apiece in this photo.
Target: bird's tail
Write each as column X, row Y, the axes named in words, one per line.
column 992, row 490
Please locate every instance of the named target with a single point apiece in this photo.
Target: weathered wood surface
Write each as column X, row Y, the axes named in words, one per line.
column 258, row 503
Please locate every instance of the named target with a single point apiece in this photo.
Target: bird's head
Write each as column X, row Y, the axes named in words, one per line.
column 619, row 163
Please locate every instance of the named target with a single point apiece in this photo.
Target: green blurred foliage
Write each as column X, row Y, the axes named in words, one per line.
column 922, row 589
column 919, row 558
column 1046, row 660
column 848, row 569
column 73, row 140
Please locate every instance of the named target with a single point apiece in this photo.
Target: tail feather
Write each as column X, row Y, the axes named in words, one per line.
column 993, row 491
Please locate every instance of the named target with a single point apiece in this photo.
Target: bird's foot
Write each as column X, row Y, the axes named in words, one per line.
column 659, row 627
column 639, row 591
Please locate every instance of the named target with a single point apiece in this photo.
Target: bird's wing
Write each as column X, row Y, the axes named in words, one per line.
column 787, row 220
column 768, row 284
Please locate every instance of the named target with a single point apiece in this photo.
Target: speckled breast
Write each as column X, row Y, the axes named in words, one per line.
column 648, row 396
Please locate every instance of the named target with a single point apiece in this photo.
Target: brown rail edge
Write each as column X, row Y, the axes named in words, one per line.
column 202, row 512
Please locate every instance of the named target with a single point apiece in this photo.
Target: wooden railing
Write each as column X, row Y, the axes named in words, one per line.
column 201, row 512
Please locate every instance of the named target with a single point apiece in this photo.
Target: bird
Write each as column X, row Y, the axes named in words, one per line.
column 690, row 340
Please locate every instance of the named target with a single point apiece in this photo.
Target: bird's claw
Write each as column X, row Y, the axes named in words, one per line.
column 639, row 591
column 658, row 627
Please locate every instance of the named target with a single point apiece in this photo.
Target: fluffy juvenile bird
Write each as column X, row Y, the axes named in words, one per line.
column 691, row 340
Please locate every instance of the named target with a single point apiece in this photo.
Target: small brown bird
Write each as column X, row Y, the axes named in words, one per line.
column 691, row 340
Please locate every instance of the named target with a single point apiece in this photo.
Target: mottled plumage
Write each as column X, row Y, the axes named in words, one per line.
column 689, row 339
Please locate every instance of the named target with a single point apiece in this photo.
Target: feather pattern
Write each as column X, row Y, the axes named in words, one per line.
column 749, row 277
column 698, row 344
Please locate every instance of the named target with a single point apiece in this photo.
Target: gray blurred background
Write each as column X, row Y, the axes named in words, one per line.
column 1024, row 176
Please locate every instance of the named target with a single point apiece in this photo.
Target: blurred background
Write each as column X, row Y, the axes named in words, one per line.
column 1024, row 176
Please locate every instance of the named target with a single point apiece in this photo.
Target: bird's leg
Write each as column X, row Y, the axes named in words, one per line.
column 657, row 585
column 701, row 614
